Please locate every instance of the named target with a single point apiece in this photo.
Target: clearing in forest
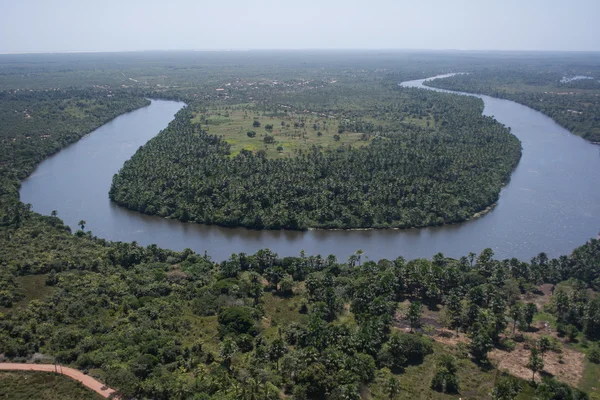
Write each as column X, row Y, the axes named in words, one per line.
column 280, row 134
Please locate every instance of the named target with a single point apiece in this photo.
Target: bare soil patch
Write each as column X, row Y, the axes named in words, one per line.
column 515, row 362
column 541, row 298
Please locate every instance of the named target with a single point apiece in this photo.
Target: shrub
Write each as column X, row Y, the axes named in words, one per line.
column 237, row 320
column 593, row 354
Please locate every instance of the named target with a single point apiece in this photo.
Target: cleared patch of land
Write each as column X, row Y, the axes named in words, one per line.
column 291, row 131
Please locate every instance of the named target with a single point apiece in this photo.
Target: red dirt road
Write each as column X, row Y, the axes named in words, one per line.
column 86, row 380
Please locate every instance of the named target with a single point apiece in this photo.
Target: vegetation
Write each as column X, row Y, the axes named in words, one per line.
column 159, row 324
column 401, row 174
column 42, row 386
column 156, row 323
column 573, row 103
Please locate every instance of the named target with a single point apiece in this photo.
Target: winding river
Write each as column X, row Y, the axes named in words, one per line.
column 552, row 203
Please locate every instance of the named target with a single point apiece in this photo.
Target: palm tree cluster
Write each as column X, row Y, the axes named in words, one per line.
column 413, row 176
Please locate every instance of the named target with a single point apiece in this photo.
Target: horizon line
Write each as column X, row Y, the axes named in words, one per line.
column 224, row 50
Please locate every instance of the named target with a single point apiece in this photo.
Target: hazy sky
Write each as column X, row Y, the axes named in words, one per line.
column 115, row 25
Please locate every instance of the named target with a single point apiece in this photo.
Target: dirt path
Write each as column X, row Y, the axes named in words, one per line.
column 86, row 380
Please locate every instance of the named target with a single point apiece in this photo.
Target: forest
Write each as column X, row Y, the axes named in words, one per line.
column 155, row 323
column 431, row 159
column 159, row 324
column 572, row 103
column 36, row 124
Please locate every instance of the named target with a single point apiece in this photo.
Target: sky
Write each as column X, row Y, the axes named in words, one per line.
column 129, row 25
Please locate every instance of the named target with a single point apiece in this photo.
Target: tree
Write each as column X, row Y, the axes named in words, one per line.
column 256, row 287
column 481, row 345
column 535, row 363
column 279, row 149
column 516, row 313
column 593, row 354
column 54, row 213
column 236, row 320
column 529, row 312
column 454, row 310
column 143, row 365
column 413, row 316
column 507, row 388
column 445, row 379
column 274, row 275
column 251, row 134
column 277, row 349
column 359, row 254
column 591, row 319
column 269, row 127
column 82, row 224
column 336, row 138
column 544, row 345
column 269, row 139
column 227, row 351
column 256, row 124
column 393, row 387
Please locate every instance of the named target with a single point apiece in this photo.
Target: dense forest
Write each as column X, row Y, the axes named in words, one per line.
column 443, row 170
column 155, row 323
column 36, row 124
column 164, row 325
column 573, row 103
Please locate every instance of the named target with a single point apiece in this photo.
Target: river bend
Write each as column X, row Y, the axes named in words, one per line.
column 551, row 204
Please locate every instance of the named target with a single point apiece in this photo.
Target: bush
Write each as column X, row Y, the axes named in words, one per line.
column 237, row 320
column 445, row 379
column 245, row 343
column 225, row 286
column 269, row 139
column 404, row 349
column 205, row 303
column 593, row 354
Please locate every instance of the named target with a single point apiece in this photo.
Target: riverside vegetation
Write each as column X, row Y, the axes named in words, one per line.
column 155, row 323
column 570, row 96
column 366, row 154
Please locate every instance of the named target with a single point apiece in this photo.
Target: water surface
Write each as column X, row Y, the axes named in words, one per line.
column 552, row 203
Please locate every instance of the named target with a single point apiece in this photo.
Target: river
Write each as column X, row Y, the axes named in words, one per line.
column 551, row 204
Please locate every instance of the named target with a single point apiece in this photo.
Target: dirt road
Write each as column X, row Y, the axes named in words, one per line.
column 86, row 380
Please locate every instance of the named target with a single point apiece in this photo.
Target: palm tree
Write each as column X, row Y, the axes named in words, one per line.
column 359, row 254
column 535, row 363
column 393, row 387
column 82, row 224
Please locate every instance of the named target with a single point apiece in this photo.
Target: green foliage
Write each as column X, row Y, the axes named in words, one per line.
column 593, row 354
column 155, row 323
column 237, row 320
column 506, row 388
column 572, row 104
column 414, row 314
column 407, row 176
column 551, row 389
column 535, row 363
column 42, row 386
column 445, row 378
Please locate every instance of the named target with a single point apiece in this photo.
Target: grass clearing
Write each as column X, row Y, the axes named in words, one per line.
column 292, row 131
column 33, row 287
column 475, row 382
column 207, row 332
column 280, row 312
column 590, row 380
